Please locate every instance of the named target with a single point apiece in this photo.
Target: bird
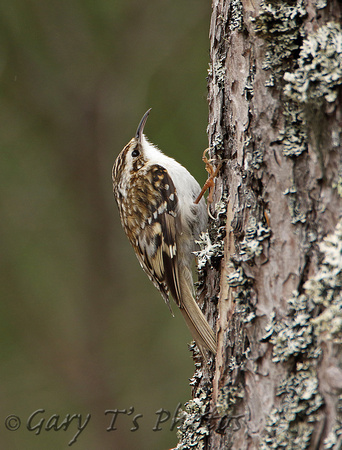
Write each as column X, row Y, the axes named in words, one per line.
column 156, row 197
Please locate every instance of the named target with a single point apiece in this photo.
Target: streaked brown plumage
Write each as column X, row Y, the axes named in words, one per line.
column 155, row 197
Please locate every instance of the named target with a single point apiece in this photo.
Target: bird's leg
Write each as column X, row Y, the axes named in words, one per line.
column 209, row 184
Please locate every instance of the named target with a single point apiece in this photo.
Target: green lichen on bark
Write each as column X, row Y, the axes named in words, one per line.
column 325, row 290
column 229, row 396
column 314, row 318
column 308, row 68
column 294, row 135
column 319, row 68
column 254, row 156
column 217, row 71
column 194, row 429
column 211, row 241
column 256, row 232
column 295, row 208
column 321, row 4
column 287, row 426
column 334, row 438
column 235, row 19
column 249, row 250
column 279, row 23
column 208, row 251
column 338, row 183
column 293, row 336
column 314, row 81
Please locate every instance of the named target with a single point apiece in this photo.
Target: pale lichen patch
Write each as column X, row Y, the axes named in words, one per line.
column 314, row 318
column 280, row 23
column 319, row 70
column 194, row 429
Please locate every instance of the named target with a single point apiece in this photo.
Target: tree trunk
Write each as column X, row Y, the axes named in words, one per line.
column 271, row 262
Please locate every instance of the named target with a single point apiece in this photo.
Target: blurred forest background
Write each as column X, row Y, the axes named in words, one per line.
column 82, row 328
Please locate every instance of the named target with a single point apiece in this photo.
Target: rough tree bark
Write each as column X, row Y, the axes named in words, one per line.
column 271, row 262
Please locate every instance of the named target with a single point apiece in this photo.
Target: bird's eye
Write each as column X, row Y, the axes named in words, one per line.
column 135, row 153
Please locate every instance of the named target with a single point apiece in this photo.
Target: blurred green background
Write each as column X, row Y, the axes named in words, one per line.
column 82, row 328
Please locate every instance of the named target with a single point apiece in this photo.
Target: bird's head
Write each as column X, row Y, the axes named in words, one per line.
column 132, row 157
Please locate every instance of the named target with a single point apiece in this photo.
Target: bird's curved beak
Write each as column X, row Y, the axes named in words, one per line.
column 141, row 125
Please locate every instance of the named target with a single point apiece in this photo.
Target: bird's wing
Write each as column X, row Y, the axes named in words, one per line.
column 156, row 239
column 153, row 224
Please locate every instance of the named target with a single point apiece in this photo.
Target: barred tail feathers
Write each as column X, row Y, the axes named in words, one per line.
column 197, row 323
